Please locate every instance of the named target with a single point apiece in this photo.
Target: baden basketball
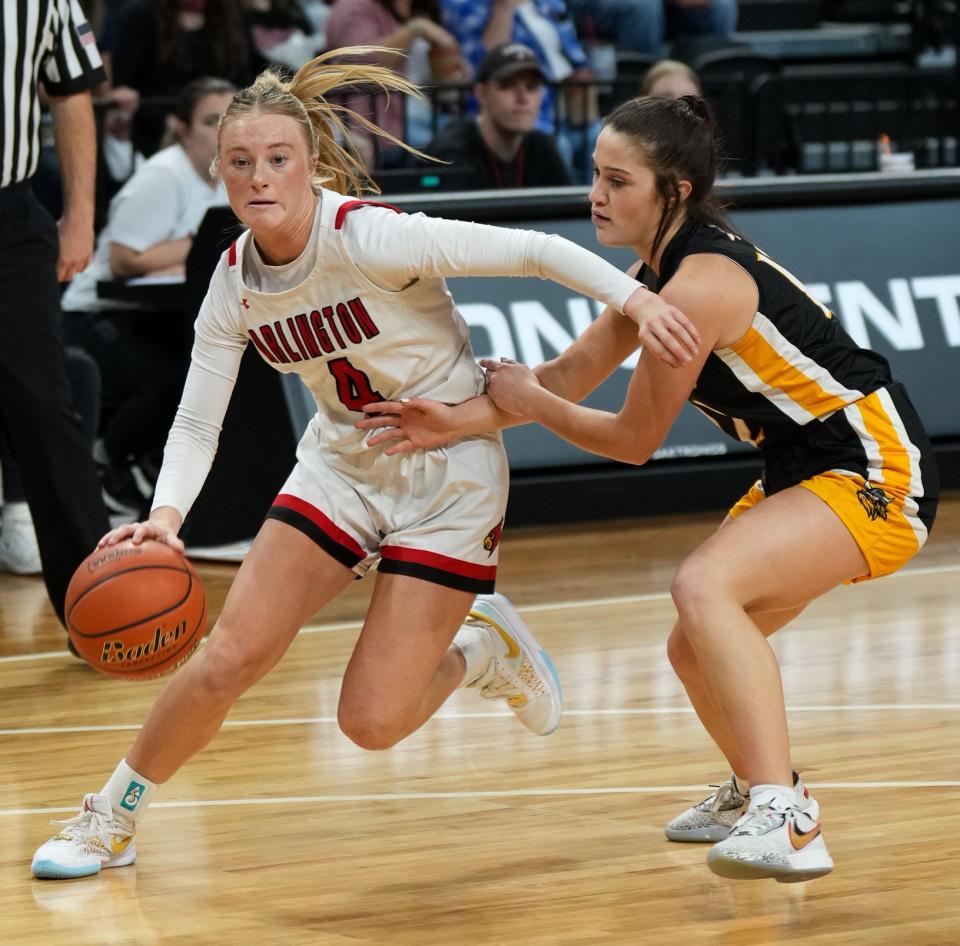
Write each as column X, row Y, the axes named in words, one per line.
column 135, row 611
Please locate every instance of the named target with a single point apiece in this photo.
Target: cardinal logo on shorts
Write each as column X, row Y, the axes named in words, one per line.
column 874, row 501
column 492, row 539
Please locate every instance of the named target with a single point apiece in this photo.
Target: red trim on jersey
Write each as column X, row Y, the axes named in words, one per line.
column 320, row 521
column 232, row 255
column 442, row 562
column 353, row 204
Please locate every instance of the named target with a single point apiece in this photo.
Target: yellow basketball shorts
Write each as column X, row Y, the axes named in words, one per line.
column 881, row 519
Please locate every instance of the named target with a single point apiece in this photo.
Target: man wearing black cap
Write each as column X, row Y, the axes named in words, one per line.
column 500, row 144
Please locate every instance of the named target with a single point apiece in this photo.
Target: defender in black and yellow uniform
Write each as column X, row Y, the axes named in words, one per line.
column 849, row 487
column 824, row 412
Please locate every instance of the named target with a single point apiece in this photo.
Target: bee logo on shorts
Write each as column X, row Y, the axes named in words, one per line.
column 874, row 501
column 492, row 539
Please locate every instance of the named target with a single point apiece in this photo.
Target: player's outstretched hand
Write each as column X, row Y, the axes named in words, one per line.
column 662, row 328
column 411, row 423
column 138, row 532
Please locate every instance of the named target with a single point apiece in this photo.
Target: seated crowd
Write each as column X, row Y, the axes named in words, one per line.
column 153, row 48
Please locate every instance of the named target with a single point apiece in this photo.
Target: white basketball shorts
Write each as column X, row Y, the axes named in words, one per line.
column 435, row 515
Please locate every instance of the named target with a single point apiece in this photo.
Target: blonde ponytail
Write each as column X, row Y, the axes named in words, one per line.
column 306, row 98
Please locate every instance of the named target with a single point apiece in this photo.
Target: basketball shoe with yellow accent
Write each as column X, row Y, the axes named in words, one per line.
column 520, row 670
column 93, row 840
column 778, row 837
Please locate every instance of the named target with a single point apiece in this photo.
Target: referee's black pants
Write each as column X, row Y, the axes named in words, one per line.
column 42, row 428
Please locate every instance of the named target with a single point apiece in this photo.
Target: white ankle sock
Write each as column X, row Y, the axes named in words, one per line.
column 129, row 792
column 741, row 785
column 786, row 792
column 474, row 644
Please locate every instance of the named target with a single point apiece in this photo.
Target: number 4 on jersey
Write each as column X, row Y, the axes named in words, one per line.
column 353, row 386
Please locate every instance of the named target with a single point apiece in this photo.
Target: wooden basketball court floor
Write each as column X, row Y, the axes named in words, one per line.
column 475, row 832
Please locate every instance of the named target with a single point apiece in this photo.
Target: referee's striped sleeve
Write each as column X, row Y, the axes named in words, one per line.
column 74, row 63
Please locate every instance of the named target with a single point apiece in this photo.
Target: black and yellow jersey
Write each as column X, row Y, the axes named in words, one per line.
column 797, row 386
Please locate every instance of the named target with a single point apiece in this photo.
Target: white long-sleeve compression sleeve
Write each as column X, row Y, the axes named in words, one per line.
column 192, row 443
column 410, row 246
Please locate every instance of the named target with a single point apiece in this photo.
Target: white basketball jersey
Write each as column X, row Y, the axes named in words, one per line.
column 351, row 341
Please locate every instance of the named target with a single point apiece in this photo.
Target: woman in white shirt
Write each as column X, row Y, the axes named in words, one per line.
column 149, row 231
column 352, row 297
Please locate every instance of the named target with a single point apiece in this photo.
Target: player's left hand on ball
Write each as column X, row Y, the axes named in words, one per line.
column 138, row 532
column 414, row 423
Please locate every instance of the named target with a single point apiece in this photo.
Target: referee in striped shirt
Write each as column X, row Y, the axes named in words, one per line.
column 48, row 42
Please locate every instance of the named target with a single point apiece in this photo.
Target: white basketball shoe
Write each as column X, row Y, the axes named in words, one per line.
column 778, row 836
column 95, row 839
column 713, row 819
column 519, row 669
column 19, row 552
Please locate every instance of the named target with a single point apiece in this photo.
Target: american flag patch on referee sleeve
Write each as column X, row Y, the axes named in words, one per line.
column 85, row 34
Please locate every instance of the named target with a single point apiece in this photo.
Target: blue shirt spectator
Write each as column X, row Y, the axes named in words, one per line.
column 543, row 25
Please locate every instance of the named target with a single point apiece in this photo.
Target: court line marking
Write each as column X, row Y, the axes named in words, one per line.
column 464, row 796
column 505, row 714
column 524, row 609
column 43, row 655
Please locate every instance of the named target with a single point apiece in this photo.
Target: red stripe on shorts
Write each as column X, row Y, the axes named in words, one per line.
column 320, row 521
column 442, row 562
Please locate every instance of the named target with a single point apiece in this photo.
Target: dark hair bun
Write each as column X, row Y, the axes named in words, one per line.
column 698, row 106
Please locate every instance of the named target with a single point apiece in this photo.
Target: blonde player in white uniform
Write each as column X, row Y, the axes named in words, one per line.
column 352, row 297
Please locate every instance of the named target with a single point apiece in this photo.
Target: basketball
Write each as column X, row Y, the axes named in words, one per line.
column 135, row 611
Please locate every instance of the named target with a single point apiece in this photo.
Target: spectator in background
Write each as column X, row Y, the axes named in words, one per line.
column 317, row 12
column 164, row 44
column 544, row 26
column 281, row 33
column 670, row 79
column 425, row 51
column 642, row 25
column 149, row 230
column 501, row 145
column 115, row 107
column 119, row 104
